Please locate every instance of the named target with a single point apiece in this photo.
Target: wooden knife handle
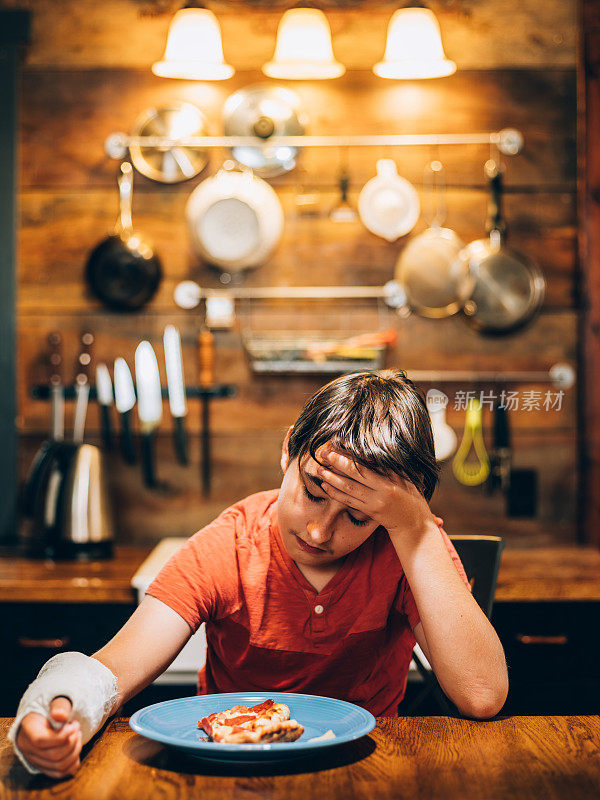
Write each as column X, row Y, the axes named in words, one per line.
column 206, row 358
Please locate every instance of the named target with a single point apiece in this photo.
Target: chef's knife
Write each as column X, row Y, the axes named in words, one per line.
column 82, row 386
column 104, row 393
column 125, row 401
column 176, row 385
column 149, row 405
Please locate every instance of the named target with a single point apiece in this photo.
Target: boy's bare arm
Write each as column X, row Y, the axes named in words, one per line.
column 144, row 647
column 456, row 636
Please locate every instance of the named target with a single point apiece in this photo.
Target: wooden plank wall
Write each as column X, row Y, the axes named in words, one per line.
column 87, row 74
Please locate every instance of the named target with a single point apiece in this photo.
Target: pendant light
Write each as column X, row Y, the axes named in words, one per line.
column 303, row 50
column 414, row 47
column 194, row 49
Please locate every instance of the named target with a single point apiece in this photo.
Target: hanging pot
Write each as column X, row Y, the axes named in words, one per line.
column 508, row 289
column 431, row 268
column 235, row 220
column 123, row 271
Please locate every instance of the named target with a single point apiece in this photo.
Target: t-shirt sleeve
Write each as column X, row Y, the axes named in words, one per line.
column 406, row 602
column 201, row 580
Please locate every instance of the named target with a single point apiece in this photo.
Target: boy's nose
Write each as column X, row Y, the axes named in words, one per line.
column 319, row 531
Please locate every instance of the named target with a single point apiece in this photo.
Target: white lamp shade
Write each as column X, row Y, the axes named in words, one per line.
column 414, row 47
column 303, row 50
column 194, row 49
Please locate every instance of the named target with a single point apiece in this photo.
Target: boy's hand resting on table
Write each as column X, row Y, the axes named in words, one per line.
column 54, row 752
column 394, row 503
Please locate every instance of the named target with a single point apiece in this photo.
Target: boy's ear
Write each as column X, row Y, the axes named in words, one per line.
column 285, row 455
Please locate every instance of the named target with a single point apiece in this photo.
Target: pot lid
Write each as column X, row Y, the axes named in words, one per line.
column 264, row 111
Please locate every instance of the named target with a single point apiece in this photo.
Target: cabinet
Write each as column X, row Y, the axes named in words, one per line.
column 553, row 655
column 31, row 633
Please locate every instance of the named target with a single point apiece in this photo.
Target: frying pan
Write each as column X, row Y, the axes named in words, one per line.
column 508, row 289
column 123, row 271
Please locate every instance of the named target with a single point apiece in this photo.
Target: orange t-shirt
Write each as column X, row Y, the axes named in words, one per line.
column 268, row 629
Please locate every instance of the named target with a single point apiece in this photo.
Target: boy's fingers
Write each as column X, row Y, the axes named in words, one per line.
column 351, row 489
column 69, row 748
column 60, row 709
column 342, row 497
column 345, row 465
column 37, row 732
column 59, row 759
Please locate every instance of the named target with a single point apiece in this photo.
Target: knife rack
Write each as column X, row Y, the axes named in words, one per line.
column 204, row 393
column 218, row 390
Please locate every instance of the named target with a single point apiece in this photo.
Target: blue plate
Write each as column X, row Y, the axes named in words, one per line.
column 175, row 723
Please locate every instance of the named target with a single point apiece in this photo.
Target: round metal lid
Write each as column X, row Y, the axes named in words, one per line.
column 263, row 111
column 170, row 164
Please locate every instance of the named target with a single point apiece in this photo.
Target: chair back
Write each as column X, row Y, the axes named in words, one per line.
column 480, row 556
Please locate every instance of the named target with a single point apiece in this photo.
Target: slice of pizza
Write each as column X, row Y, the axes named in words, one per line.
column 265, row 722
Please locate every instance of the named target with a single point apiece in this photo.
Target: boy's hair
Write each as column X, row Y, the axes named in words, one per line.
column 379, row 418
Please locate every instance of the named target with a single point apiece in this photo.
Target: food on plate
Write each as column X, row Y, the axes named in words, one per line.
column 323, row 737
column 265, row 722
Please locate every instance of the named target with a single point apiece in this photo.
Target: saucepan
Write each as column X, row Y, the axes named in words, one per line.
column 432, row 269
column 508, row 289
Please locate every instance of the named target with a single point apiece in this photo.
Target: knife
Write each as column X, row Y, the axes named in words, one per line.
column 176, row 386
column 104, row 393
column 206, row 379
column 82, row 386
column 149, row 405
column 125, row 401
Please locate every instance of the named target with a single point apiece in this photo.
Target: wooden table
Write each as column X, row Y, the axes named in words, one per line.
column 419, row 757
column 528, row 574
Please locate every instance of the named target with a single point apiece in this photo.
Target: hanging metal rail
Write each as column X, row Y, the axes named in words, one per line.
column 509, row 141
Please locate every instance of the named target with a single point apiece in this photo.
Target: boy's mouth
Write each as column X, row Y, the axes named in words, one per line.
column 307, row 547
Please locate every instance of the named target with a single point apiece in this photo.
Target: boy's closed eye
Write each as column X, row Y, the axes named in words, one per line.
column 319, row 499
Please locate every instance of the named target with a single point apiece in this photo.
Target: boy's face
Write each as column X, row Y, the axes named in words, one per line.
column 316, row 530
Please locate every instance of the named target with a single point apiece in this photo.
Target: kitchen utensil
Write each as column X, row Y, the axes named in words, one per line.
column 123, row 271
column 170, row 164
column 431, row 268
column 104, row 393
column 235, row 220
column 500, row 456
column 125, row 401
column 263, row 110
column 343, row 211
column 522, row 494
column 149, row 396
column 175, row 724
column 508, row 289
column 444, row 438
column 82, row 386
column 471, row 473
column 84, row 523
column 206, row 378
column 72, row 515
column 388, row 204
column 43, row 456
column 176, row 386
column 307, row 199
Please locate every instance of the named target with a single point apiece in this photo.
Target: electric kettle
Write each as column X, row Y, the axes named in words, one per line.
column 71, row 515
